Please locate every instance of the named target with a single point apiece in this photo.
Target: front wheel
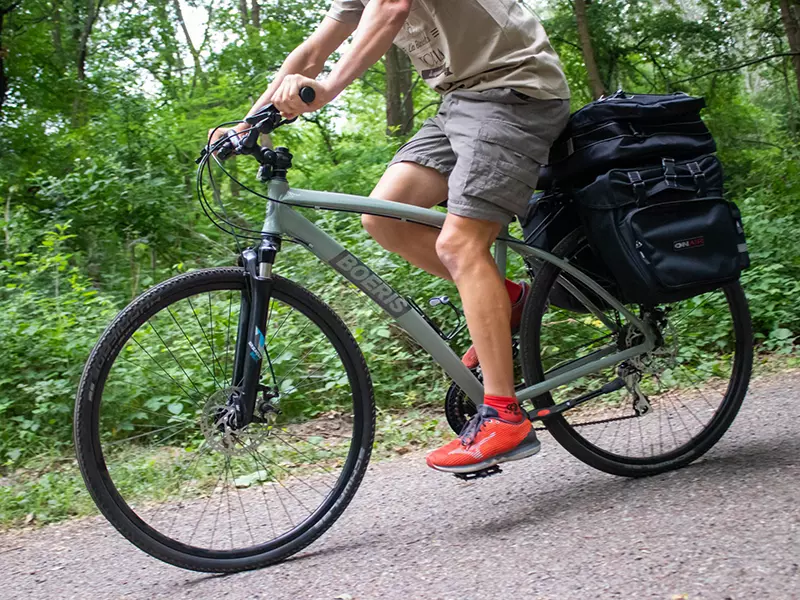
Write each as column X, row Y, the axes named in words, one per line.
column 190, row 491
column 682, row 396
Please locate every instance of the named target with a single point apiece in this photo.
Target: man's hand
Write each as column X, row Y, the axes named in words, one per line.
column 217, row 134
column 287, row 97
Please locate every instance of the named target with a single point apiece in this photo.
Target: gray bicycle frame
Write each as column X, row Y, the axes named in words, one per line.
column 282, row 220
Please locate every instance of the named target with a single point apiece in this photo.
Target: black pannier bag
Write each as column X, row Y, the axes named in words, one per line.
column 665, row 232
column 625, row 131
column 551, row 216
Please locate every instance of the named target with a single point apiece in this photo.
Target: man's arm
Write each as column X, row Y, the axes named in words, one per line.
column 380, row 24
column 307, row 60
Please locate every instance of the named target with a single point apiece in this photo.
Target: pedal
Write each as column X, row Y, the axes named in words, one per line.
column 495, row 470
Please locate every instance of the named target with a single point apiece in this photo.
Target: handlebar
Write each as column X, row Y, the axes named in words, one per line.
column 307, row 94
column 265, row 121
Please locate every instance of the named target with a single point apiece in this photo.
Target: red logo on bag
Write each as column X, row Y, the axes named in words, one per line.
column 692, row 243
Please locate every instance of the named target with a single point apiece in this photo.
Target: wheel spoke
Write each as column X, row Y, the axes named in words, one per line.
column 680, row 376
column 189, row 475
column 191, row 344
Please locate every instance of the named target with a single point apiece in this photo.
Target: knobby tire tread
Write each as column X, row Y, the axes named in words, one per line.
column 118, row 331
column 571, row 440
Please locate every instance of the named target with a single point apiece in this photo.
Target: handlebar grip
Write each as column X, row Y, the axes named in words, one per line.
column 307, row 94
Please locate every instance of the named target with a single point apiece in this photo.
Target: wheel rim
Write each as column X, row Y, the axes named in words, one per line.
column 687, row 381
column 176, row 476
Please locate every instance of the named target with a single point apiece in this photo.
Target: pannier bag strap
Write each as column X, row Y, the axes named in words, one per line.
column 699, row 177
column 638, row 186
column 669, row 172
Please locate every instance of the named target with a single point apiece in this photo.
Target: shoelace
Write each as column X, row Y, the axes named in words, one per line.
column 473, row 427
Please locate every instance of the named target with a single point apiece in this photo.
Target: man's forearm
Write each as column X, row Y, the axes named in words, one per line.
column 301, row 61
column 380, row 24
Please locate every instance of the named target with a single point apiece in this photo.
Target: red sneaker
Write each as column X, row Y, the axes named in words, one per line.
column 470, row 359
column 487, row 440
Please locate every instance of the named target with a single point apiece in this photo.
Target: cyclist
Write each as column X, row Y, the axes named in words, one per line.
column 505, row 100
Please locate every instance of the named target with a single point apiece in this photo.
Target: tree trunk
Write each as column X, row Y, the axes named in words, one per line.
column 3, row 79
column 78, row 106
column 243, row 13
column 6, row 227
column 595, row 81
column 399, row 97
column 255, row 13
column 198, row 69
column 58, row 46
column 83, row 42
column 790, row 15
column 5, row 10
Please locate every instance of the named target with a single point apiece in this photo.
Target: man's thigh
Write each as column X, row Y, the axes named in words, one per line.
column 411, row 183
column 419, row 171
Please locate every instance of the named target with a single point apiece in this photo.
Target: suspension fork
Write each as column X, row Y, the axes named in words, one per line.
column 251, row 331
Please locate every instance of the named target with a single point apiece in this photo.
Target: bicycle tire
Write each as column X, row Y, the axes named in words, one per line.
column 567, row 435
column 89, row 398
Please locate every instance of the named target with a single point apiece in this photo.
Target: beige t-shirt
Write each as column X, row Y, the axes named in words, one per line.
column 474, row 45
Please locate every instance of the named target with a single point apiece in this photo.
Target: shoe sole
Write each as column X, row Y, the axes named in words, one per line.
column 522, row 451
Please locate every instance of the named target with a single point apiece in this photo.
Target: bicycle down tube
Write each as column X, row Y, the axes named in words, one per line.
column 281, row 219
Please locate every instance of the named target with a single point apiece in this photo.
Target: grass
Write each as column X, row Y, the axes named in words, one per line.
column 49, row 488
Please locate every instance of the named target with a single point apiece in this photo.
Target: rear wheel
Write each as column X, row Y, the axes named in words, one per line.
column 684, row 394
column 177, row 482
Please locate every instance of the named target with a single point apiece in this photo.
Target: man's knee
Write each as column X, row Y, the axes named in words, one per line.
column 371, row 223
column 455, row 249
column 464, row 243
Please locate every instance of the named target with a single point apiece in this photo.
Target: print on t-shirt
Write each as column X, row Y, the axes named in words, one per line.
column 423, row 45
column 474, row 45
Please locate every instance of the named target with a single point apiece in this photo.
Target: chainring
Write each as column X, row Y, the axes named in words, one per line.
column 458, row 408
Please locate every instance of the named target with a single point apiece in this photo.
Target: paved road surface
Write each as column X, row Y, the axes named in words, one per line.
column 726, row 527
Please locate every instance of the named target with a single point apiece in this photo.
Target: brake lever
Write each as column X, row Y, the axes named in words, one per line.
column 223, row 148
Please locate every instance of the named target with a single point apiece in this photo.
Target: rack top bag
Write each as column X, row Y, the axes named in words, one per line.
column 627, row 130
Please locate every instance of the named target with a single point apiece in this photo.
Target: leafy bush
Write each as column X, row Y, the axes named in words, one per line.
column 51, row 318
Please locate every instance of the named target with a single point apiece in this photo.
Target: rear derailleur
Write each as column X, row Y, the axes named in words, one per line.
column 632, row 377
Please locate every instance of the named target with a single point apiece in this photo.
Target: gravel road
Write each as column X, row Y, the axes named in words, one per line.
column 547, row 528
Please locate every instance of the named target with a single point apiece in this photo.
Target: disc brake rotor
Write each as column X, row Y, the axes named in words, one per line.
column 215, row 422
column 663, row 357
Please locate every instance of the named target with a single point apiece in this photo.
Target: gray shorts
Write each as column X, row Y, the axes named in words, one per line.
column 490, row 145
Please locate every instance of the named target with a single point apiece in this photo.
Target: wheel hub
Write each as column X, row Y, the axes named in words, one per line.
column 219, row 426
column 663, row 356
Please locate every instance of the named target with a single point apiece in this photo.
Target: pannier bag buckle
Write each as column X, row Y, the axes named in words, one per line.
column 669, row 172
column 638, row 186
column 699, row 177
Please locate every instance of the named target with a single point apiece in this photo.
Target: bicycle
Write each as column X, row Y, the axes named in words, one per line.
column 211, row 460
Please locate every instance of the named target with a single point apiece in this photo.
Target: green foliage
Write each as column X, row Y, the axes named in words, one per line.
column 97, row 180
column 51, row 318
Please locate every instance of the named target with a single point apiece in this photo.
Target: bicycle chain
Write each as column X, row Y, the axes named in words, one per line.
column 600, row 422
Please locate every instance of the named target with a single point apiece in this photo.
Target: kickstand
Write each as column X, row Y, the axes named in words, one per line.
column 495, row 470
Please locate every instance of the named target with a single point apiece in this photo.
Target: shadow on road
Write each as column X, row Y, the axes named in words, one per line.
column 724, row 469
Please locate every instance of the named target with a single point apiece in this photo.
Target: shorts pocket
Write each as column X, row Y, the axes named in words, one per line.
column 502, row 170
